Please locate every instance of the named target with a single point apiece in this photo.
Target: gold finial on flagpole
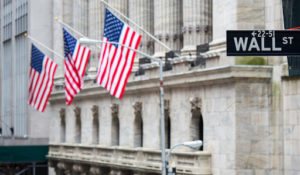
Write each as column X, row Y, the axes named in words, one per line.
column 25, row 34
column 56, row 18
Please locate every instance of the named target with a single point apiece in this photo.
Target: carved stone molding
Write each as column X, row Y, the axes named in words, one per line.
column 114, row 110
column 62, row 113
column 79, row 168
column 77, row 111
column 95, row 170
column 195, row 105
column 95, row 111
column 62, row 166
column 167, row 107
column 137, row 106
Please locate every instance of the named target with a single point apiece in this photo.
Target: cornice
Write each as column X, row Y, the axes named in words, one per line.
column 197, row 77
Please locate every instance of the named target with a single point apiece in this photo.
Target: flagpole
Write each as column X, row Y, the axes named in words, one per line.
column 36, row 41
column 161, row 88
column 138, row 26
column 69, row 27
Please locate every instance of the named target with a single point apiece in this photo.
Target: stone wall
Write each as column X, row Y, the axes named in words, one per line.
column 291, row 125
column 224, row 94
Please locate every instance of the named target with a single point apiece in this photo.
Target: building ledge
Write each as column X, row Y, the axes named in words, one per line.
column 188, row 78
column 137, row 159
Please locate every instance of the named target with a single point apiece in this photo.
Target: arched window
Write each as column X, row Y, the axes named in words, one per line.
column 95, row 136
column 167, row 131
column 77, row 125
column 115, row 128
column 62, row 113
column 196, row 126
column 167, row 124
column 138, row 125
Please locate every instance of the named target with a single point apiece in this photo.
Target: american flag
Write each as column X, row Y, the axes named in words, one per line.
column 76, row 59
column 42, row 70
column 115, row 63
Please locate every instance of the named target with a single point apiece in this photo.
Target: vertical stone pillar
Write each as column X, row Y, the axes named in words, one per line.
column 167, row 25
column 81, row 20
column 197, row 21
column 95, row 30
column 141, row 12
column 80, row 16
column 68, row 12
column 121, row 5
column 58, row 38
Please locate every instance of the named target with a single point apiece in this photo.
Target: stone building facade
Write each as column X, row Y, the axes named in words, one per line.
column 245, row 109
column 24, row 132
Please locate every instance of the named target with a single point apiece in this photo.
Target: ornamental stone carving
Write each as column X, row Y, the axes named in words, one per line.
column 167, row 107
column 79, row 168
column 95, row 170
column 62, row 166
column 95, row 111
column 195, row 105
column 114, row 110
column 77, row 111
column 137, row 106
column 62, row 113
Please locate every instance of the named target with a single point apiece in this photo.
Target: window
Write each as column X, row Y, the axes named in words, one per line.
column 77, row 125
column 62, row 125
column 6, row 98
column 21, row 16
column 20, row 86
column 6, row 69
column 20, row 71
column 115, row 132
column 196, row 126
column 7, row 19
column 167, row 131
column 95, row 138
column 138, row 125
column 115, row 126
column 167, row 124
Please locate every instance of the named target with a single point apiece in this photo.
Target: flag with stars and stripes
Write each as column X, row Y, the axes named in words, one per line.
column 41, row 78
column 76, row 59
column 115, row 63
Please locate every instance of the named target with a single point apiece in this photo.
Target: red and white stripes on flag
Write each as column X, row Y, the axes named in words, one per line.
column 115, row 63
column 41, row 79
column 76, row 59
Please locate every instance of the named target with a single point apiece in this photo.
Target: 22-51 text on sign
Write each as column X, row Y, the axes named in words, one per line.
column 263, row 42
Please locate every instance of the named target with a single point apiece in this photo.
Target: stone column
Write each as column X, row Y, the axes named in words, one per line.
column 141, row 12
column 68, row 12
column 197, row 21
column 81, row 20
column 121, row 5
column 80, row 16
column 167, row 25
column 58, row 38
column 96, row 27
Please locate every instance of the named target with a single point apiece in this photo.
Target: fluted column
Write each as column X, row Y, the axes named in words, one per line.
column 197, row 21
column 68, row 12
column 141, row 12
column 58, row 38
column 96, row 27
column 80, row 16
column 167, row 25
column 121, row 5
